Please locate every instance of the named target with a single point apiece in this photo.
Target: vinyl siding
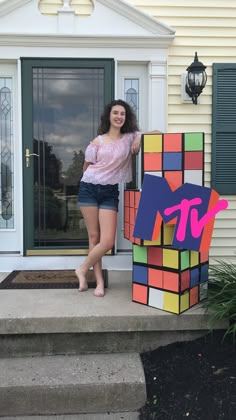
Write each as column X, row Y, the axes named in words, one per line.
column 208, row 27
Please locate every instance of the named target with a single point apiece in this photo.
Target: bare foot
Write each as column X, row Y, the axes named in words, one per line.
column 83, row 285
column 99, row 291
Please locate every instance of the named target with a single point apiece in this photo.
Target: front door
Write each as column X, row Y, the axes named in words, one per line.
column 62, row 103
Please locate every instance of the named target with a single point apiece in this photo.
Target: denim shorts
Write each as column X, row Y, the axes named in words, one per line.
column 97, row 195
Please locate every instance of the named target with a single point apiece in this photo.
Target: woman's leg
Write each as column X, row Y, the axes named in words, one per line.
column 107, row 223
column 90, row 215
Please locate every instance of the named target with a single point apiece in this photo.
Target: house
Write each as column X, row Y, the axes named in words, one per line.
column 60, row 61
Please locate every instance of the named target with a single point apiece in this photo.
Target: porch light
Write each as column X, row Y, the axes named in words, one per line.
column 196, row 79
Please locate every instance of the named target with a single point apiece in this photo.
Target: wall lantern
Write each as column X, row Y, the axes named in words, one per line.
column 195, row 79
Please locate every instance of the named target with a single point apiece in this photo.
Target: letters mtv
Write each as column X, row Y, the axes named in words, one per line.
column 191, row 208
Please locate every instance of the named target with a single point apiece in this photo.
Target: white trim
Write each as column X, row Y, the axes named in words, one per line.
column 157, row 95
column 120, row 7
column 116, row 78
column 48, row 40
column 10, row 5
column 135, row 15
column 138, row 70
column 12, row 262
column 20, row 162
column 10, row 239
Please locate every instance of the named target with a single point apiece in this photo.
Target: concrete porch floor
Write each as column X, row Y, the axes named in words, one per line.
column 68, row 311
column 67, row 326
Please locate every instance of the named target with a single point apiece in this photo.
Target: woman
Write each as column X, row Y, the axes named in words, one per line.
column 108, row 162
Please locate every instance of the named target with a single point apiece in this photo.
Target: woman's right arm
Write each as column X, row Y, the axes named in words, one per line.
column 90, row 154
column 86, row 165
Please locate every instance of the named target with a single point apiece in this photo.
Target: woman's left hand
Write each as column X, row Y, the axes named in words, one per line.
column 135, row 147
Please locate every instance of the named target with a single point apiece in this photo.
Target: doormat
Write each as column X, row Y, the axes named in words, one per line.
column 48, row 279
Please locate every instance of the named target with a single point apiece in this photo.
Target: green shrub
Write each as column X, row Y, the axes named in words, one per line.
column 221, row 302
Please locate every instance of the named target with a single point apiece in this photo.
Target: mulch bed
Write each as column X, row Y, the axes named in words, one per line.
column 191, row 380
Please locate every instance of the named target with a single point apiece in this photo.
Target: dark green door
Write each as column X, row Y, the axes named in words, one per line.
column 62, row 100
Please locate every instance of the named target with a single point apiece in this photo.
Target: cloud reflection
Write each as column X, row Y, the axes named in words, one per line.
column 67, row 108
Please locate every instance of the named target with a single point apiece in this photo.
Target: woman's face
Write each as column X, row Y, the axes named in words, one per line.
column 117, row 116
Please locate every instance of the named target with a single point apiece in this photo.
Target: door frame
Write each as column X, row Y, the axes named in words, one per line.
column 130, row 70
column 11, row 238
column 27, row 65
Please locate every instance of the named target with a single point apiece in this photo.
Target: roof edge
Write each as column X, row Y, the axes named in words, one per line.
column 10, row 5
column 139, row 17
column 122, row 7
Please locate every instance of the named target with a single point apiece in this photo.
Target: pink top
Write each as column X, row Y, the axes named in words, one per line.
column 111, row 162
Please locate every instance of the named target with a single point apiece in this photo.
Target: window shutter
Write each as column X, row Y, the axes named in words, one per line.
column 224, row 129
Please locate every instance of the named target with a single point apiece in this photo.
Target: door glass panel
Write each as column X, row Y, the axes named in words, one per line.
column 131, row 96
column 67, row 104
column 6, row 155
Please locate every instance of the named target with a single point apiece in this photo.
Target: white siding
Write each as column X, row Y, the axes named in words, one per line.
column 208, row 27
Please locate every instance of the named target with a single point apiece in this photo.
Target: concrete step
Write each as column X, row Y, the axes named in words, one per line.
column 55, row 321
column 134, row 415
column 56, row 385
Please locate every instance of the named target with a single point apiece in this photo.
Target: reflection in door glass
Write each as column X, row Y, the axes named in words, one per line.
column 131, row 95
column 67, row 104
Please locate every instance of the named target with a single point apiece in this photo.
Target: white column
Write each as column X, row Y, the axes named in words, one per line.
column 157, row 96
column 66, row 19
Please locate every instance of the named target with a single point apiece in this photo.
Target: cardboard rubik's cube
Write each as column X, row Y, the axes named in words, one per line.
column 164, row 277
column 131, row 202
column 179, row 158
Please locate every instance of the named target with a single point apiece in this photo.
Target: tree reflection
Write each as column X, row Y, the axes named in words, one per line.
column 55, row 191
column 6, row 191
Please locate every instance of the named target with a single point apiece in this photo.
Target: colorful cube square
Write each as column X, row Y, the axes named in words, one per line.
column 193, row 141
column 140, row 254
column 154, row 256
column 171, row 281
column 174, row 178
column 194, row 296
column 140, row 274
column 194, row 176
column 152, row 162
column 175, row 258
column 152, row 143
column 194, row 277
column 172, row 142
column 193, row 160
column 204, row 272
column 156, row 298
column 172, row 161
column 140, row 294
column 155, row 278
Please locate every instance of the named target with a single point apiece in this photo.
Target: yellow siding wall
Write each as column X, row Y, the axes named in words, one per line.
column 81, row 7
column 208, row 27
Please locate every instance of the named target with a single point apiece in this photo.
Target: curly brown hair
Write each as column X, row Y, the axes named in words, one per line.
column 130, row 124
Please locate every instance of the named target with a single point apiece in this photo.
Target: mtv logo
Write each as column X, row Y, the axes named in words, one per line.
column 192, row 208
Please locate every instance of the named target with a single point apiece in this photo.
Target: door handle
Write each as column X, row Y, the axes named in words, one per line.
column 28, row 156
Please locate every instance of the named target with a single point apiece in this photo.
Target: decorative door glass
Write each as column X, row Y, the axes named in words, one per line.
column 6, row 155
column 67, row 104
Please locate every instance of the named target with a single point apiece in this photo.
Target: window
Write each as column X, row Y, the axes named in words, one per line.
column 131, row 94
column 6, row 155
